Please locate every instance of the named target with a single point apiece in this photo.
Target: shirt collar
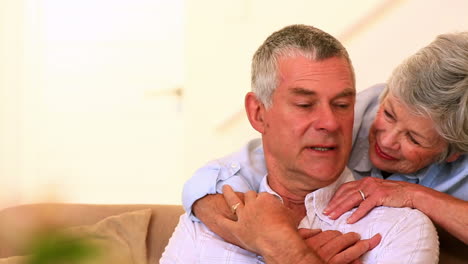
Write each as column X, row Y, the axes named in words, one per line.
column 264, row 187
column 317, row 200
column 416, row 177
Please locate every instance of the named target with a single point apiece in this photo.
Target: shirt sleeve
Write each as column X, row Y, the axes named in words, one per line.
column 242, row 170
column 182, row 244
column 413, row 240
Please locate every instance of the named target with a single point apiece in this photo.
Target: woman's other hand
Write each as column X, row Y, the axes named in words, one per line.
column 368, row 193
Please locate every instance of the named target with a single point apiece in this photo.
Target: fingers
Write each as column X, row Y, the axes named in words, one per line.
column 334, row 247
column 349, row 196
column 240, row 195
column 249, row 197
column 355, row 252
column 374, row 241
column 321, row 239
column 343, row 200
column 231, row 198
column 364, row 208
column 306, row 233
column 341, row 193
column 210, row 207
column 338, row 244
column 352, row 200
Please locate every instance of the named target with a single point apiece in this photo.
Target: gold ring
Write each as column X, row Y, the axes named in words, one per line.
column 362, row 195
column 234, row 208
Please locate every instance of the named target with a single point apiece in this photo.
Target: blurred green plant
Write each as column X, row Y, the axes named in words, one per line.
column 53, row 247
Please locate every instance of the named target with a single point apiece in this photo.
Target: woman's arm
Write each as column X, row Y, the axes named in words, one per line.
column 243, row 170
column 212, row 210
column 446, row 211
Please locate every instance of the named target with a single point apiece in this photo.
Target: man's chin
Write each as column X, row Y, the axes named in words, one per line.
column 325, row 177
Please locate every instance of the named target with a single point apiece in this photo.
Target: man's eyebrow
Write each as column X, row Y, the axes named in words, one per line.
column 302, row 91
column 346, row 93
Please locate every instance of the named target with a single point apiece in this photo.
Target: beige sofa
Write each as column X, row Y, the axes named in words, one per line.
column 26, row 219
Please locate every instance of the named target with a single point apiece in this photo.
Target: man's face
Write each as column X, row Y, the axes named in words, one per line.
column 308, row 128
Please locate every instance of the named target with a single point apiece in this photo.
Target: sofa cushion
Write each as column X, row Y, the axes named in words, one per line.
column 121, row 238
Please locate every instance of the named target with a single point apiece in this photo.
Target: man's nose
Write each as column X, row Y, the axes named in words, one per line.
column 326, row 119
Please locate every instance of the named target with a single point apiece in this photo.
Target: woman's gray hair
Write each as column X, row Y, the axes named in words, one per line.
column 291, row 41
column 434, row 83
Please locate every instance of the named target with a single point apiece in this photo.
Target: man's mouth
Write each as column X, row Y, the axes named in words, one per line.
column 322, row 149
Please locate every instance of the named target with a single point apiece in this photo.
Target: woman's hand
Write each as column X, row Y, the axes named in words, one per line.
column 368, row 193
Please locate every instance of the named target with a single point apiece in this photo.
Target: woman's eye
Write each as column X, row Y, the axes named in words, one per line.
column 414, row 141
column 304, row 105
column 387, row 114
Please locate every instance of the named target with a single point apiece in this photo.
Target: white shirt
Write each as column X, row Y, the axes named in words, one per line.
column 408, row 236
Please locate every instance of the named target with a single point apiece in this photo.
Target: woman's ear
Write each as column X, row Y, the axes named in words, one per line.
column 255, row 112
column 453, row 157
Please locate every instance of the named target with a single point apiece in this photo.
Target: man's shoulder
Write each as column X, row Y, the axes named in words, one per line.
column 401, row 214
column 407, row 235
column 392, row 222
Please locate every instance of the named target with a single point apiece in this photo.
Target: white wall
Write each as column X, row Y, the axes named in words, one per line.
column 87, row 110
column 11, row 42
column 87, row 103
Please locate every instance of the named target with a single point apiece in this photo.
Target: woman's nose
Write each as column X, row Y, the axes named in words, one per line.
column 389, row 139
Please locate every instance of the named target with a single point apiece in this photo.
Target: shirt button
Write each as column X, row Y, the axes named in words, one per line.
column 233, row 165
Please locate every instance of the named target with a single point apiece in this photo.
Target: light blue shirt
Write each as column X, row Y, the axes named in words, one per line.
column 245, row 169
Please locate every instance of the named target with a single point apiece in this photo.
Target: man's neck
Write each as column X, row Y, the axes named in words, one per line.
column 293, row 198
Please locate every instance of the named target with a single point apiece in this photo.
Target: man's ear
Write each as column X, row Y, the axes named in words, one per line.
column 453, row 157
column 255, row 112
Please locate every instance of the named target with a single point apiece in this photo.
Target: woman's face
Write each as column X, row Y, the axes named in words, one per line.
column 400, row 142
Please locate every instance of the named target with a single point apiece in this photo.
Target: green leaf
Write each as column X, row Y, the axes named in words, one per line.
column 60, row 248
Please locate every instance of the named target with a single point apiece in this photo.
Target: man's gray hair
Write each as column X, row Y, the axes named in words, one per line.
column 291, row 41
column 434, row 83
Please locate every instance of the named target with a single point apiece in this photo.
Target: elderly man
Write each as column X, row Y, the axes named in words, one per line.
column 302, row 102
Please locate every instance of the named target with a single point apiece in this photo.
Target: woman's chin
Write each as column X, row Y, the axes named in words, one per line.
column 382, row 164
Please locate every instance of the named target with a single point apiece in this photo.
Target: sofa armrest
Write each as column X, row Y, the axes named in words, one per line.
column 452, row 250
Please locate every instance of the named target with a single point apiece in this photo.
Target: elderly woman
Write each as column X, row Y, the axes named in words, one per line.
column 418, row 141
column 410, row 136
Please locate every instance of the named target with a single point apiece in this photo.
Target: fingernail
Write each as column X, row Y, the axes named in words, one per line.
column 332, row 215
column 325, row 212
